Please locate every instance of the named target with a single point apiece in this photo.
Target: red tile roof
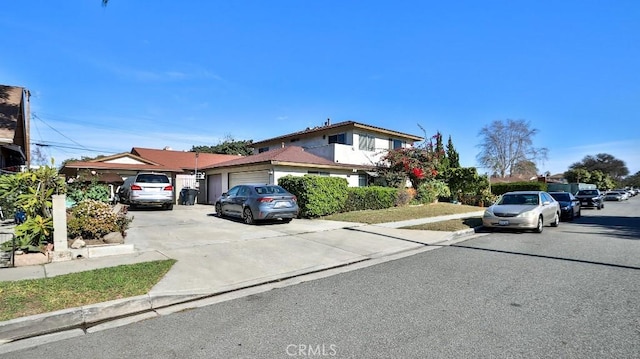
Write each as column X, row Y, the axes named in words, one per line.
column 120, row 166
column 290, row 154
column 181, row 159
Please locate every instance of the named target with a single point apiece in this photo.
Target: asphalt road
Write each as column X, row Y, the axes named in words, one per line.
column 571, row 292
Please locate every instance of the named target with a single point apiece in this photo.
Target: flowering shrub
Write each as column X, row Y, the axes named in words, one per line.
column 418, row 164
column 92, row 219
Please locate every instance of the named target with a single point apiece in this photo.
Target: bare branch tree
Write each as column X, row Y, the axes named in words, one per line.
column 505, row 144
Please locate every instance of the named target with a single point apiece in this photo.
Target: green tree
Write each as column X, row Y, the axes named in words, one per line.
column 227, row 147
column 604, row 162
column 578, row 175
column 506, row 143
column 452, row 155
column 633, row 180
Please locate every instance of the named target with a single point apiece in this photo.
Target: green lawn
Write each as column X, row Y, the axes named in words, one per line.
column 34, row 296
column 395, row 214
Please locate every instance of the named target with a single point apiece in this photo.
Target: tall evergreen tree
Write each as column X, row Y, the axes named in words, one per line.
column 452, row 155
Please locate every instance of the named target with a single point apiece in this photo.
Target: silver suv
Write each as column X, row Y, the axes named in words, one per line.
column 147, row 189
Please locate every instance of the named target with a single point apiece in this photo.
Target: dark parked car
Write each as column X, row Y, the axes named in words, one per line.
column 570, row 206
column 253, row 202
column 590, row 198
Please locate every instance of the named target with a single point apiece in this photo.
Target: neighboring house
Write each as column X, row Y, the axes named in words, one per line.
column 267, row 167
column 344, row 142
column 180, row 166
column 349, row 150
column 14, row 128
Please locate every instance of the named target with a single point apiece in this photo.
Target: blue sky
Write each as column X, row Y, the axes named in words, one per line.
column 182, row 73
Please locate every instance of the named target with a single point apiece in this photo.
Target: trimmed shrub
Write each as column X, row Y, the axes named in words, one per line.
column 317, row 196
column 92, row 219
column 374, row 197
column 501, row 188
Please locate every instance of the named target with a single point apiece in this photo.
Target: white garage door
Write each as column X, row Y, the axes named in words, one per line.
column 248, row 177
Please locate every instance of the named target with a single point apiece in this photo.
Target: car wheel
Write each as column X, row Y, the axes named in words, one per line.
column 169, row 206
column 248, row 216
column 219, row 210
column 286, row 220
column 556, row 220
column 540, row 226
column 572, row 215
column 579, row 213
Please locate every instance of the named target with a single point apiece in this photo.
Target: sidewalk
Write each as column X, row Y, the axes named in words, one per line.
column 219, row 265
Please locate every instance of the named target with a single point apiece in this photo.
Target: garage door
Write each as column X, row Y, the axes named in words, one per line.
column 248, row 177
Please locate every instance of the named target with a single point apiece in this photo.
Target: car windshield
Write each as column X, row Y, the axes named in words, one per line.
column 521, row 199
column 587, row 192
column 270, row 190
column 561, row 196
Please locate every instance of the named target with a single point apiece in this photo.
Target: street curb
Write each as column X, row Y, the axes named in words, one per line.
column 97, row 315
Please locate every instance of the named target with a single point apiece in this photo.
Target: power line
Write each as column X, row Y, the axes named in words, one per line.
column 60, row 133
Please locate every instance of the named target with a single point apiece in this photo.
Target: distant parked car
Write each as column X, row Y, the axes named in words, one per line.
column 254, row 202
column 570, row 206
column 615, row 196
column 523, row 210
column 147, row 189
column 590, row 198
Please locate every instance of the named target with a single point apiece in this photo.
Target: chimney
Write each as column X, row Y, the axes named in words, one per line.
column 328, row 122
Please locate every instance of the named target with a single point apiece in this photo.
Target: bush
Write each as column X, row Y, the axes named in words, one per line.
column 79, row 191
column 92, row 219
column 431, row 190
column 404, row 196
column 317, row 196
column 502, row 188
column 374, row 197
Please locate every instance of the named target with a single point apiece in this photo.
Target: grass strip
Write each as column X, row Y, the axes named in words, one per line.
column 396, row 214
column 36, row 296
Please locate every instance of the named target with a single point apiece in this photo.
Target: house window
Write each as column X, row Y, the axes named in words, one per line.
column 362, row 180
column 395, row 144
column 340, row 138
column 263, row 149
column 319, row 173
column 367, row 143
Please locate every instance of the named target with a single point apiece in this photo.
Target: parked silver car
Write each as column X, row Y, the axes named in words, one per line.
column 523, row 210
column 253, row 202
column 147, row 189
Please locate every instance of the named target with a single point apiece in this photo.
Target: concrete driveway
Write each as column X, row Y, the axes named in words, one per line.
column 221, row 254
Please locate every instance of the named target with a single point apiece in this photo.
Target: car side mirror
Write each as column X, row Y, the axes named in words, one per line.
column 225, row 194
column 545, row 203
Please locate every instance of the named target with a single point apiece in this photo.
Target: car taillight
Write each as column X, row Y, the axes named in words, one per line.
column 135, row 187
column 265, row 199
column 168, row 188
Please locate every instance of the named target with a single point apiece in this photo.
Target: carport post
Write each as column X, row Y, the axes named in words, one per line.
column 61, row 250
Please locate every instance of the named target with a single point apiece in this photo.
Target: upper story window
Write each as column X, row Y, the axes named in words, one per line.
column 395, row 144
column 263, row 149
column 340, row 138
column 367, row 143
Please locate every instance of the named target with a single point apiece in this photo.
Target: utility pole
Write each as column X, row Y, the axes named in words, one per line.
column 196, row 184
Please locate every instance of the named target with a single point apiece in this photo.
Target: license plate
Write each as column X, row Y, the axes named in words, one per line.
column 503, row 223
column 282, row 205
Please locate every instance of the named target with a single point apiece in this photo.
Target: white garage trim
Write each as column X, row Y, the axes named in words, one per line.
column 237, row 178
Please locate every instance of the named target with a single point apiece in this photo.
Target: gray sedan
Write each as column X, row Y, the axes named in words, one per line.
column 253, row 202
column 523, row 210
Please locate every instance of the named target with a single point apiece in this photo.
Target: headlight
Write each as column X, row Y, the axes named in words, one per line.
column 527, row 214
column 487, row 213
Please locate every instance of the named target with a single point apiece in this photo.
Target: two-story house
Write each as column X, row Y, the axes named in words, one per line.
column 349, row 150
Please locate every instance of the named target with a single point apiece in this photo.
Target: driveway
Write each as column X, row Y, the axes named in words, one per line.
column 221, row 254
